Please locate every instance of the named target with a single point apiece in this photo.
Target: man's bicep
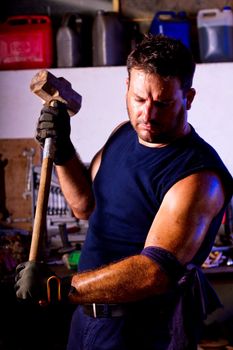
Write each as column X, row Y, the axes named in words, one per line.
column 185, row 214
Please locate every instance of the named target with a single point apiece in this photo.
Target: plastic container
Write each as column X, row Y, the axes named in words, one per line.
column 26, row 42
column 172, row 24
column 69, row 42
column 108, row 40
column 215, row 33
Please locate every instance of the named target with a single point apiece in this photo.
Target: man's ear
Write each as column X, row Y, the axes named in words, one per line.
column 190, row 94
column 127, row 83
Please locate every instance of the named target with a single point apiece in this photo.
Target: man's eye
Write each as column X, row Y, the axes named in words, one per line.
column 140, row 100
column 160, row 104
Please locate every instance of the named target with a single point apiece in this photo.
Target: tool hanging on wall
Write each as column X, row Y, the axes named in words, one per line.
column 49, row 88
column 4, row 213
column 29, row 154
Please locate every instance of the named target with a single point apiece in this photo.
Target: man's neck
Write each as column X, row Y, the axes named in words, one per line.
column 185, row 131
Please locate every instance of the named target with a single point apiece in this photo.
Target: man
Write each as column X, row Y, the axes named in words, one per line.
column 158, row 196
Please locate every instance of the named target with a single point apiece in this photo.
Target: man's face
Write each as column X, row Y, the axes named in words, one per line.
column 157, row 107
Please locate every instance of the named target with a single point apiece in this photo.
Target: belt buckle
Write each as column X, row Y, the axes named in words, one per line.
column 94, row 310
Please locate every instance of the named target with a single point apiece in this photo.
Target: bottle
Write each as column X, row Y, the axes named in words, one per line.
column 68, row 41
column 172, row 24
column 108, row 40
column 215, row 32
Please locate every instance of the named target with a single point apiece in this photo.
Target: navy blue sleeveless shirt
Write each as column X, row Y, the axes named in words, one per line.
column 129, row 188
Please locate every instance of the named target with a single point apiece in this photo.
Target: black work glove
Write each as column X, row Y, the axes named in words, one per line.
column 31, row 281
column 54, row 122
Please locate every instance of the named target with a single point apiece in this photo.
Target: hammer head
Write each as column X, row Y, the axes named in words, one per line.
column 50, row 88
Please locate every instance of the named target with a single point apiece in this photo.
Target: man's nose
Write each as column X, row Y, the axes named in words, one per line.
column 149, row 111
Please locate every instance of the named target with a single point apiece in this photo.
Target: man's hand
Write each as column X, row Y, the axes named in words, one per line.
column 54, row 122
column 31, row 281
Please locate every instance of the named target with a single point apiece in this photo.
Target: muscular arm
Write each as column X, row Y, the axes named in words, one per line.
column 76, row 184
column 180, row 226
column 131, row 279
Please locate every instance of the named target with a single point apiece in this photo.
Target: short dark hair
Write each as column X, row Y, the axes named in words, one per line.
column 164, row 56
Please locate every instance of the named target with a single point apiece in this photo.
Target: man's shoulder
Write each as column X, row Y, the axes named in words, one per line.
column 124, row 124
column 121, row 129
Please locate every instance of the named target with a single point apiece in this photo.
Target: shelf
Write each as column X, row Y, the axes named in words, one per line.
column 220, row 270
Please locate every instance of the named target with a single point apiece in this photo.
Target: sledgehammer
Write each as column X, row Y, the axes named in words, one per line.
column 49, row 88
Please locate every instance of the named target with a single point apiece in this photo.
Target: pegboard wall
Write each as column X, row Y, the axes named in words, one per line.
column 16, row 158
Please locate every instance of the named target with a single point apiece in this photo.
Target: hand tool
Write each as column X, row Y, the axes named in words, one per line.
column 4, row 213
column 50, row 89
column 29, row 153
column 53, row 291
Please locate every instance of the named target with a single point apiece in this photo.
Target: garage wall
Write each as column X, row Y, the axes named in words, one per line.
column 103, row 106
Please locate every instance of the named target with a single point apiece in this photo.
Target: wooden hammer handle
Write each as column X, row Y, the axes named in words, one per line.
column 39, row 225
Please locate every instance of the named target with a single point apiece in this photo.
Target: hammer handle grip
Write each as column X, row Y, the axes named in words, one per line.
column 42, row 200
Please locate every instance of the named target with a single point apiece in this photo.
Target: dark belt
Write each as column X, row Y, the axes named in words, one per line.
column 104, row 310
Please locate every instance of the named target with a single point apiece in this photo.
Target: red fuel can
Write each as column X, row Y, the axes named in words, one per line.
column 26, row 42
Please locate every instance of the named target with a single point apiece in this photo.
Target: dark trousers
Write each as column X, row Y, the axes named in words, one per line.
column 147, row 330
